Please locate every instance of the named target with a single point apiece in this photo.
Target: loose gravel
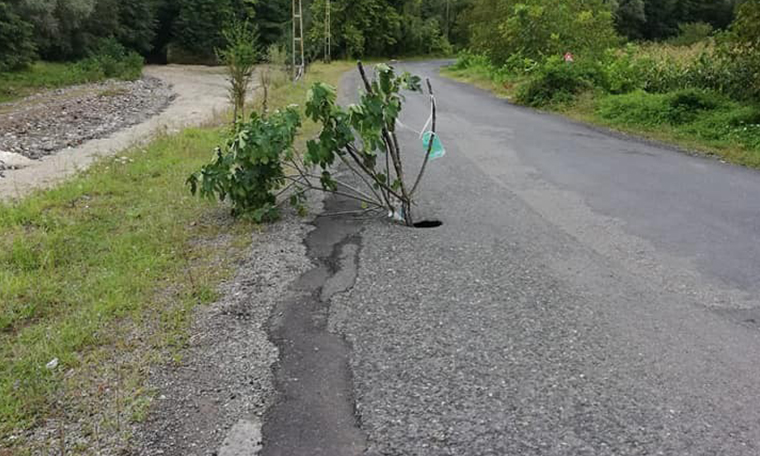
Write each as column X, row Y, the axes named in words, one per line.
column 226, row 374
column 47, row 122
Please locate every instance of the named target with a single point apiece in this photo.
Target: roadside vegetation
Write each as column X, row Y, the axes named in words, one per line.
column 110, row 61
column 98, row 279
column 259, row 161
column 697, row 86
column 52, row 44
column 90, row 40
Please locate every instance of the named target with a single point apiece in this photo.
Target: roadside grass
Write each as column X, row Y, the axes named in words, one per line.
column 103, row 272
column 482, row 78
column 696, row 120
column 40, row 76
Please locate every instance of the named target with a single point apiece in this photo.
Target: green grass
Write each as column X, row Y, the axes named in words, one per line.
column 48, row 75
column 103, row 272
column 40, row 76
column 482, row 78
column 700, row 121
column 91, row 254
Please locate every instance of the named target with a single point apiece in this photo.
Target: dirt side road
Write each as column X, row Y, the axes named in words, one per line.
column 201, row 93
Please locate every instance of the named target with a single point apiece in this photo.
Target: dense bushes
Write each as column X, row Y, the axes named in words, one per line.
column 702, row 86
column 540, row 28
column 198, row 28
column 557, row 81
column 742, row 49
column 661, row 68
column 380, row 27
column 111, row 60
column 675, row 108
column 696, row 114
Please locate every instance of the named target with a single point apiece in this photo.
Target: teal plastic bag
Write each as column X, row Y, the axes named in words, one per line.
column 437, row 150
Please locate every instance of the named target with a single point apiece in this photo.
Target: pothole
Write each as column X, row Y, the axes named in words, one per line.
column 428, row 224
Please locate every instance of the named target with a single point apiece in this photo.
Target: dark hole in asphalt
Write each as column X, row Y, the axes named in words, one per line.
column 428, row 224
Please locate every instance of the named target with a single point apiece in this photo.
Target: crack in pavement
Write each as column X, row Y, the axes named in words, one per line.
column 315, row 411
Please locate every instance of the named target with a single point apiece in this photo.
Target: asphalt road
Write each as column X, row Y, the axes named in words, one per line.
column 588, row 294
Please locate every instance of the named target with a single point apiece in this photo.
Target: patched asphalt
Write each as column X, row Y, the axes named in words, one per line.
column 588, row 294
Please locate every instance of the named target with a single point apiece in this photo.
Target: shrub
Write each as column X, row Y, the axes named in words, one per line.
column 557, row 82
column 239, row 55
column 541, row 28
column 651, row 110
column 742, row 50
column 361, row 136
column 111, row 60
column 692, row 33
column 622, row 71
column 636, row 108
column 249, row 168
column 684, row 106
column 467, row 59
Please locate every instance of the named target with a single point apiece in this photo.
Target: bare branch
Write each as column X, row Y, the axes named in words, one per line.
column 367, row 85
column 358, row 212
column 363, row 178
column 311, row 186
column 370, row 172
column 432, row 138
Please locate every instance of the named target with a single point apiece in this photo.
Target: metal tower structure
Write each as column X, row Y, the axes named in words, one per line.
column 328, row 32
column 299, row 63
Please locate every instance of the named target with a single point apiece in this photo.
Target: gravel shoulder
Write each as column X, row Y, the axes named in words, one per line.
column 215, row 398
column 198, row 94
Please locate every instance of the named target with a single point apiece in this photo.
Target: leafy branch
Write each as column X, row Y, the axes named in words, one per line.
column 359, row 134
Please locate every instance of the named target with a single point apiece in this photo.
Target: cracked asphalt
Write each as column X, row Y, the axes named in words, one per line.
column 588, row 294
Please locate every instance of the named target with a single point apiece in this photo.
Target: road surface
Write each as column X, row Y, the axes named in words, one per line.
column 588, row 294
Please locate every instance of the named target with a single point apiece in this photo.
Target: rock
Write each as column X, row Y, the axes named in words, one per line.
column 10, row 160
column 47, row 122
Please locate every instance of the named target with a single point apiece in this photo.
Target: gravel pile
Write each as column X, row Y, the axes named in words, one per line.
column 47, row 122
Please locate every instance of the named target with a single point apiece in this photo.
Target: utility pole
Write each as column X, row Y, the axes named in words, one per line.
column 299, row 64
column 328, row 32
column 448, row 20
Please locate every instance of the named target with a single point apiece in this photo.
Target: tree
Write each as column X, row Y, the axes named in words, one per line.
column 198, row 26
column 746, row 29
column 663, row 17
column 166, row 15
column 718, row 13
column 369, row 27
column 58, row 26
column 631, row 17
column 423, row 25
column 16, row 45
column 239, row 55
column 137, row 24
column 744, row 48
column 504, row 29
column 273, row 20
